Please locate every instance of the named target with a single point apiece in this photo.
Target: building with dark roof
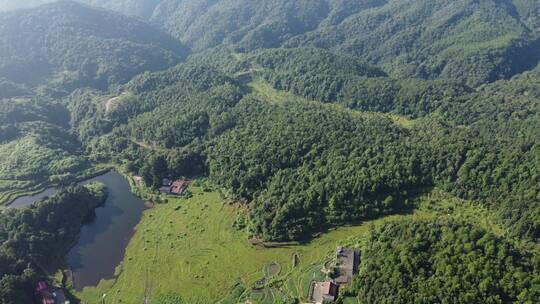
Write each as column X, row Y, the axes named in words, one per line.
column 324, row 292
column 178, row 187
column 44, row 295
column 347, row 264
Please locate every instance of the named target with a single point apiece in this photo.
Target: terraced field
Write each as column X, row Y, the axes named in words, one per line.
column 189, row 247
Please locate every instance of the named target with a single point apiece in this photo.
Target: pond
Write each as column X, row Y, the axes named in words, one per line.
column 103, row 241
column 30, row 199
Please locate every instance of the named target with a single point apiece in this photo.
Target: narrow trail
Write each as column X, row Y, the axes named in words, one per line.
column 109, row 104
column 147, row 288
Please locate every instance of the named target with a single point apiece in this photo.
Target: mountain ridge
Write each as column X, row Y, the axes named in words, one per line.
column 67, row 42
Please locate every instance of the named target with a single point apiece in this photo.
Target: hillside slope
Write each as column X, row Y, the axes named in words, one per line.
column 463, row 40
column 250, row 24
column 469, row 41
column 72, row 45
column 141, row 8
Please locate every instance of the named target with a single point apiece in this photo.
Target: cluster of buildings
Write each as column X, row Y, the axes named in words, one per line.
column 46, row 295
column 347, row 261
column 177, row 187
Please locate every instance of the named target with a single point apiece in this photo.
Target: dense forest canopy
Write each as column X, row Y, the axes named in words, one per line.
column 266, row 23
column 462, row 41
column 439, row 262
column 318, row 74
column 307, row 114
column 261, row 150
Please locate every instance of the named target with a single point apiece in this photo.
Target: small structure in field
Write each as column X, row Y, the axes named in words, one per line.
column 324, row 292
column 347, row 264
column 177, row 187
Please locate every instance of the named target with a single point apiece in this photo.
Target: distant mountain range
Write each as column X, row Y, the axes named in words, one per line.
column 141, row 8
column 305, row 114
column 462, row 40
column 72, row 45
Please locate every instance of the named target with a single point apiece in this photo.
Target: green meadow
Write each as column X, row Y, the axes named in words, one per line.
column 189, row 247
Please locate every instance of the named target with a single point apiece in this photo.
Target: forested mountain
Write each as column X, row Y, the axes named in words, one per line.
column 249, row 24
column 274, row 155
column 70, row 45
column 460, row 41
column 306, row 115
column 441, row 261
column 324, row 76
column 463, row 40
column 141, row 8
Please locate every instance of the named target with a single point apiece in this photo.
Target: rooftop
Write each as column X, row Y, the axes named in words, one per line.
column 347, row 263
column 324, row 291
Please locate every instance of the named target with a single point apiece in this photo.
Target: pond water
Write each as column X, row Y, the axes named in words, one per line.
column 30, row 199
column 102, row 242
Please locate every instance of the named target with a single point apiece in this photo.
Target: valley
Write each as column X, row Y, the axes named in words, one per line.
column 220, row 151
column 188, row 247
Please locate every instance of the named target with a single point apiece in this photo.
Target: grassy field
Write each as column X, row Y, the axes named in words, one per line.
column 189, row 247
column 264, row 91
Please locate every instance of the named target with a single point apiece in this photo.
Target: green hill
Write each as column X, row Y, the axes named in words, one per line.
column 443, row 261
column 250, row 24
column 272, row 150
column 70, row 45
column 141, row 8
column 305, row 116
column 463, row 40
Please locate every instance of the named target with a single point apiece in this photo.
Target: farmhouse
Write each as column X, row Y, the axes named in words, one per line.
column 177, row 187
column 44, row 295
column 324, row 292
column 347, row 264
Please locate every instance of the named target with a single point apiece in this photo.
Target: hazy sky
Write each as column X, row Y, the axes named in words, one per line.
column 15, row 4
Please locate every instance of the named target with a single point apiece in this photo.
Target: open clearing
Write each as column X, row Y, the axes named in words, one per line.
column 112, row 103
column 189, row 247
column 264, row 91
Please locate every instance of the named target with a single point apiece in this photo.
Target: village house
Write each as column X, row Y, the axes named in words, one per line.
column 45, row 295
column 42, row 294
column 177, row 187
column 347, row 264
column 324, row 292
